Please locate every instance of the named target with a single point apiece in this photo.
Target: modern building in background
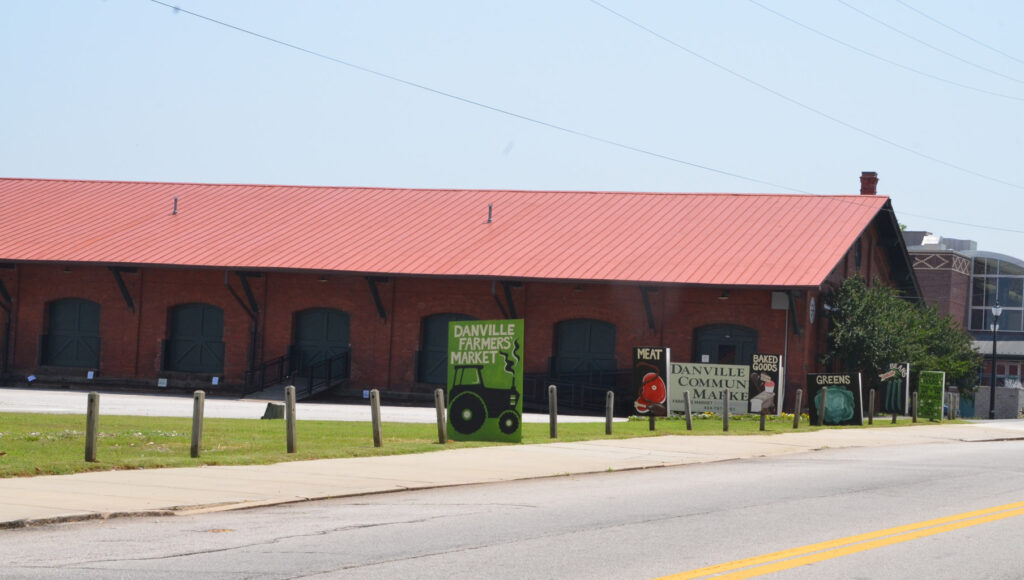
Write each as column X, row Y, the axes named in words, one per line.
column 966, row 283
column 237, row 287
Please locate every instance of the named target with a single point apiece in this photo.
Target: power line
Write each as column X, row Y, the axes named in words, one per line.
column 479, row 104
column 931, row 46
column 177, row 9
column 805, row 106
column 967, row 36
column 882, row 58
column 959, row 223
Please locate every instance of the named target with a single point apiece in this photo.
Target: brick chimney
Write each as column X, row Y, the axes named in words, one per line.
column 868, row 182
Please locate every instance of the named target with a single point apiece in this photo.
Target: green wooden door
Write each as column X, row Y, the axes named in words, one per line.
column 432, row 363
column 72, row 336
column 321, row 334
column 196, row 343
column 725, row 344
column 585, row 351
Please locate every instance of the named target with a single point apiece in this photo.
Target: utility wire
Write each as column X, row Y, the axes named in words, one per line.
column 967, row 36
column 176, row 9
column 882, row 58
column 479, row 104
column 931, row 46
column 805, row 106
column 959, row 223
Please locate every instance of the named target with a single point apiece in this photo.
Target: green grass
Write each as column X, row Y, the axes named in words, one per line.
column 40, row 444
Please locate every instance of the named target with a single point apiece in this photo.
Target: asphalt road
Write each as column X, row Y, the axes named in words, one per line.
column 634, row 524
column 62, row 401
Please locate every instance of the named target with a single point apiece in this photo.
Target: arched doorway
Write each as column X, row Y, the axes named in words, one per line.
column 72, row 336
column 196, row 341
column 432, row 359
column 585, row 351
column 321, row 334
column 725, row 344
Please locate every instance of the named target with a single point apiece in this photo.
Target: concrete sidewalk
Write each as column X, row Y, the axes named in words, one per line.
column 180, row 491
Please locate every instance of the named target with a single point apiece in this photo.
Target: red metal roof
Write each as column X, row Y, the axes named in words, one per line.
column 690, row 238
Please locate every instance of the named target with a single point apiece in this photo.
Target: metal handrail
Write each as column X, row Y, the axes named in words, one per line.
column 327, row 376
column 582, row 393
column 271, row 372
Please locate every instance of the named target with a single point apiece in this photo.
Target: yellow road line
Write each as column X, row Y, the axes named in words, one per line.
column 786, row 559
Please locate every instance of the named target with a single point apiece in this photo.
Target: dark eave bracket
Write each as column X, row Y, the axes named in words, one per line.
column 6, row 304
column 645, row 294
column 117, row 271
column 793, row 317
column 252, row 309
column 494, row 293
column 373, row 281
column 508, row 297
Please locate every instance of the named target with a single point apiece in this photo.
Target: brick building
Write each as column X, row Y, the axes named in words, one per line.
column 221, row 286
column 965, row 283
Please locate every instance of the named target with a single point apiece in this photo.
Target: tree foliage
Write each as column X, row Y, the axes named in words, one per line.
column 873, row 327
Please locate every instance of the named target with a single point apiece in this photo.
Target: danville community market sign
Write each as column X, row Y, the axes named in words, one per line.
column 708, row 385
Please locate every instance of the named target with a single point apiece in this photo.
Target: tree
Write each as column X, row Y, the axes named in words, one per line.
column 873, row 326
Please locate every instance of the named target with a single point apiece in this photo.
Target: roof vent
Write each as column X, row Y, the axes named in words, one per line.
column 490, row 212
column 175, row 210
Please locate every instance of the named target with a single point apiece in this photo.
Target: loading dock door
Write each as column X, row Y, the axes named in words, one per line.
column 585, row 351
column 725, row 344
column 321, row 334
column 432, row 361
column 73, row 334
column 196, row 344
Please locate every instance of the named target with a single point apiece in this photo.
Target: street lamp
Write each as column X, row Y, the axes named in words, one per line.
column 996, row 311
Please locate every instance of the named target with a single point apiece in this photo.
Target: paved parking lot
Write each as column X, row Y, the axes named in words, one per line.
column 64, row 401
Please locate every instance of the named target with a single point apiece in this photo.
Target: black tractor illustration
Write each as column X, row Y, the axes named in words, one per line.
column 472, row 402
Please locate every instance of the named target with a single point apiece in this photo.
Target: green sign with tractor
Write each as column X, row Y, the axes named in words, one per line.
column 485, row 380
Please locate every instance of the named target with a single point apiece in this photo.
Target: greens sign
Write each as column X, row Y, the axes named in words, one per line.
column 485, row 380
column 843, row 404
column 931, row 391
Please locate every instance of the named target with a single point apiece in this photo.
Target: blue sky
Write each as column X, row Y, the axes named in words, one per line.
column 682, row 96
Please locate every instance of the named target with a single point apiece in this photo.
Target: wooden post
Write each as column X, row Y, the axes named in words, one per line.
column 289, row 416
column 609, row 406
column 797, row 408
column 871, row 407
column 913, row 406
column 375, row 417
column 762, row 418
column 686, row 407
column 442, row 423
column 198, row 402
column 92, row 424
column 553, row 410
column 821, row 407
column 650, row 420
column 725, row 410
